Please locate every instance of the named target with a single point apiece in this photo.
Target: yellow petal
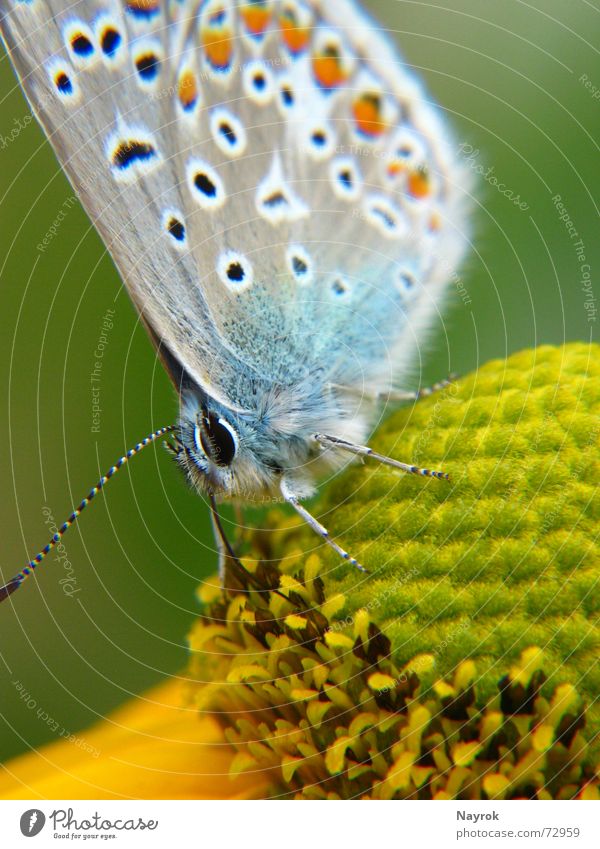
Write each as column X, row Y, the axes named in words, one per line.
column 151, row 748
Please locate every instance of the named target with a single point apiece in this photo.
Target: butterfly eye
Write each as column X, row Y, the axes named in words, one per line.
column 218, row 439
column 216, row 36
column 404, row 163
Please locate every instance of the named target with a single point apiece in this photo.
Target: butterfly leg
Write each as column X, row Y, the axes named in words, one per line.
column 220, row 543
column 228, row 560
column 230, row 564
column 365, row 451
column 292, row 499
column 239, row 521
column 425, row 392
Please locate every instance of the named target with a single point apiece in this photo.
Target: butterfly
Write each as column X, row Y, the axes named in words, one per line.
column 285, row 208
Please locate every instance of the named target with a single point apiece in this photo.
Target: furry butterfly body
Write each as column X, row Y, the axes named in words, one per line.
column 281, row 200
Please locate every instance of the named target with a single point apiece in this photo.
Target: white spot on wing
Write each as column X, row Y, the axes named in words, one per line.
column 406, row 283
column 340, row 287
column 174, row 225
column 319, row 141
column 286, row 96
column 228, row 132
column 258, row 82
column 80, row 43
column 131, row 151
column 235, row 271
column 63, row 80
column 345, row 178
column 275, row 200
column 205, row 185
column 387, row 218
column 110, row 38
column 299, row 264
column 188, row 92
column 147, row 55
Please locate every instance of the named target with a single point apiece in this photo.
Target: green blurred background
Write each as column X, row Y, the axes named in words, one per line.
column 509, row 76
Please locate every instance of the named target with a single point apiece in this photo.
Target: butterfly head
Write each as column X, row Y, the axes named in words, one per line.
column 240, row 454
column 208, row 448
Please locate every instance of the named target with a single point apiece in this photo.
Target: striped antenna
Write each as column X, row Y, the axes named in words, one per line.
column 16, row 582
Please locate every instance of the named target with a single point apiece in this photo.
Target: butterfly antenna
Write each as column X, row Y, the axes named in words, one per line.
column 16, row 582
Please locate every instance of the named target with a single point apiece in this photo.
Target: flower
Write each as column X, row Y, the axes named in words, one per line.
column 463, row 665
column 151, row 748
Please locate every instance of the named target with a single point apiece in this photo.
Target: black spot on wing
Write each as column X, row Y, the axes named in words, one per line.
column 205, row 185
column 81, row 45
column 110, row 41
column 130, row 151
column 147, row 66
column 63, row 83
column 176, row 228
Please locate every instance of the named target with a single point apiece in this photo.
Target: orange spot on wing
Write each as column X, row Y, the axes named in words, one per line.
column 435, row 221
column 296, row 37
column 328, row 68
column 143, row 8
column 256, row 17
column 396, row 167
column 367, row 114
column 187, row 89
column 218, row 47
column 418, row 184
